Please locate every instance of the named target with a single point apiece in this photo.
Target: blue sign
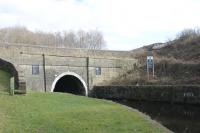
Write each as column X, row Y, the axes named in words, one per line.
column 150, row 62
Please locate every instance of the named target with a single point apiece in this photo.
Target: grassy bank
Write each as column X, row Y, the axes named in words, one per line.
column 55, row 112
column 65, row 113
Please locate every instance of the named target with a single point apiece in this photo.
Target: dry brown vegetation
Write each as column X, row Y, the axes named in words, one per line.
column 176, row 63
column 185, row 47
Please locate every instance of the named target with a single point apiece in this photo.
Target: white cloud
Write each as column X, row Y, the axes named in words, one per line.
column 126, row 24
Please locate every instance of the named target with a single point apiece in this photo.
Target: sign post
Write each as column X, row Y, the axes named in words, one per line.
column 150, row 64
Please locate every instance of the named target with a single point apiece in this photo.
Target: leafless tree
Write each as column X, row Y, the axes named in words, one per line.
column 68, row 39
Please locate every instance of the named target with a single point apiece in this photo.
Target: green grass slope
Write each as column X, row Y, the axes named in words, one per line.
column 66, row 113
column 59, row 113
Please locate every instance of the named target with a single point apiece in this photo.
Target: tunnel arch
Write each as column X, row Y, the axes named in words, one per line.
column 72, row 77
column 10, row 68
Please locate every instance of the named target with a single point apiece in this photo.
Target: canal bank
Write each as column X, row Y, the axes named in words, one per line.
column 179, row 118
column 186, row 94
column 61, row 112
column 175, row 107
column 125, row 104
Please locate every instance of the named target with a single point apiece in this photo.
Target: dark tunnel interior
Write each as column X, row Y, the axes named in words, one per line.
column 70, row 84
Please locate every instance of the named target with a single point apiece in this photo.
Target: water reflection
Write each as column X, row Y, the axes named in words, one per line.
column 176, row 117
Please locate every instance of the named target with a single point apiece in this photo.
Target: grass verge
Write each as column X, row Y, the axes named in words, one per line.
column 56, row 112
column 65, row 113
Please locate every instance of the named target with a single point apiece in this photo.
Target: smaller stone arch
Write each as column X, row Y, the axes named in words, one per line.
column 59, row 77
column 9, row 67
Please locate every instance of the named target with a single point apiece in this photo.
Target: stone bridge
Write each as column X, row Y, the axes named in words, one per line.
column 48, row 69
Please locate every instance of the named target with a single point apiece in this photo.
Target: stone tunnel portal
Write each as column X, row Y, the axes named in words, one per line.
column 70, row 83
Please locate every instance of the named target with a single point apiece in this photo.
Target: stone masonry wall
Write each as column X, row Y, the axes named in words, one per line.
column 172, row 94
column 60, row 60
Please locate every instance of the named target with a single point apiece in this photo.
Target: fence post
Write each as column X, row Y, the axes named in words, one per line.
column 12, row 86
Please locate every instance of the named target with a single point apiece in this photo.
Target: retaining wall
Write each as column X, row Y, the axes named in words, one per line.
column 173, row 94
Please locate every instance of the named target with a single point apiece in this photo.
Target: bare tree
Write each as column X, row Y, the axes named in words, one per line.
column 189, row 33
column 80, row 39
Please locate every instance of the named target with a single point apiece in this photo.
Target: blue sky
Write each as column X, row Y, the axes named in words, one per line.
column 126, row 24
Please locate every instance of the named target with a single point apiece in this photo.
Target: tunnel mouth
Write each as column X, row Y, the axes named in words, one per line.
column 10, row 68
column 70, row 84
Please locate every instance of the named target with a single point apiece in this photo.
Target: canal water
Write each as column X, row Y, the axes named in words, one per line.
column 179, row 118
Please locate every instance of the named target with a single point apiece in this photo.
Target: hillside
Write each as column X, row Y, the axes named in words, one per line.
column 187, row 49
column 176, row 62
